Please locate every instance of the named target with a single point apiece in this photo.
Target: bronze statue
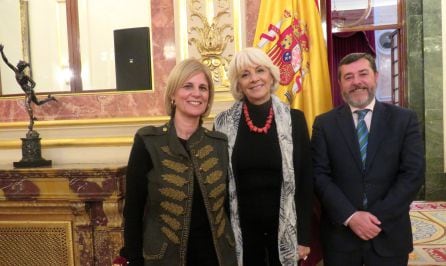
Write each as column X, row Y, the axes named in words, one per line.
column 31, row 148
column 27, row 84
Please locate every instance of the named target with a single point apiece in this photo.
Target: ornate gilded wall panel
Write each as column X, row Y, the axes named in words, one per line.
column 209, row 30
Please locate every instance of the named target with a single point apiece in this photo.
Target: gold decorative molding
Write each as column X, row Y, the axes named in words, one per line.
column 92, row 122
column 73, row 142
column 210, row 30
column 88, row 122
column 105, row 141
column 211, row 40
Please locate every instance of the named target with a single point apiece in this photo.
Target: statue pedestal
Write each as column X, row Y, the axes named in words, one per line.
column 32, row 152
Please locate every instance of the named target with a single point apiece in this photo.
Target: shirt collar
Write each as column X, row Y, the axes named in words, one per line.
column 370, row 106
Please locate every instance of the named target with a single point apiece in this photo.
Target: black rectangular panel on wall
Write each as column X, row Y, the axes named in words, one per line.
column 132, row 59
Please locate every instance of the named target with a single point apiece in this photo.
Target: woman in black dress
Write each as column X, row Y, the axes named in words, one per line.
column 270, row 170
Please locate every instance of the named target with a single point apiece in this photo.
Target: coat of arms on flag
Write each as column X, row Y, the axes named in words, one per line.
column 290, row 32
column 287, row 44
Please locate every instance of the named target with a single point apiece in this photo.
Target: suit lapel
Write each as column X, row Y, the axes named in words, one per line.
column 377, row 132
column 345, row 123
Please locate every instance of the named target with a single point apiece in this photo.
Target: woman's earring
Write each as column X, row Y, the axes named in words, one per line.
column 172, row 108
column 172, row 105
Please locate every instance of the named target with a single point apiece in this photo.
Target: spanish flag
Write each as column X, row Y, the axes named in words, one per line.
column 290, row 32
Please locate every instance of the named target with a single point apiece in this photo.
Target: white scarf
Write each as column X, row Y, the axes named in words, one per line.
column 227, row 122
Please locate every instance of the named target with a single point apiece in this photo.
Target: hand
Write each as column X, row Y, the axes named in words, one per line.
column 365, row 225
column 303, row 252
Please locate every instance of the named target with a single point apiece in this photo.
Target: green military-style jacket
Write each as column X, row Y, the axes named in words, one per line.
column 170, row 194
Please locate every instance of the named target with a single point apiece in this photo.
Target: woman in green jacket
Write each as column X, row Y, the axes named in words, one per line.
column 176, row 184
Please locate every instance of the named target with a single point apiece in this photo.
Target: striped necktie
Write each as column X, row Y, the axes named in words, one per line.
column 363, row 134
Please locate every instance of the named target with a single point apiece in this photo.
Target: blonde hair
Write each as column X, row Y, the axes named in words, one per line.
column 179, row 75
column 250, row 57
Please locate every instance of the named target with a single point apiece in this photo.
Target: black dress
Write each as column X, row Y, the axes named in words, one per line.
column 257, row 165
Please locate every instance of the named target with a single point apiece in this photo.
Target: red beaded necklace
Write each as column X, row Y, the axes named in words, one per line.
column 252, row 128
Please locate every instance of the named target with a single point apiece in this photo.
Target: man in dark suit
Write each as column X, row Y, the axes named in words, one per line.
column 369, row 166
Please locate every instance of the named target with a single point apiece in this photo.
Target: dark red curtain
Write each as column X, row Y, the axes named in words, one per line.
column 343, row 44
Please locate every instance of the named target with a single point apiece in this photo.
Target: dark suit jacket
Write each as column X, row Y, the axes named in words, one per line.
column 394, row 173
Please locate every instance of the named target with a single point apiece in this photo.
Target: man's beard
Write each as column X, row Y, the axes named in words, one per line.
column 359, row 103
